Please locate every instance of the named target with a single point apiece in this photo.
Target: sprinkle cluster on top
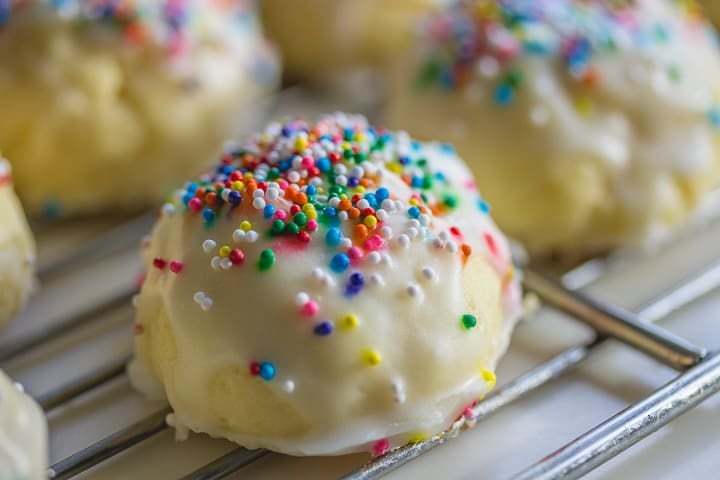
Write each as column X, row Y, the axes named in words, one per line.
column 328, row 184
column 172, row 24
column 486, row 38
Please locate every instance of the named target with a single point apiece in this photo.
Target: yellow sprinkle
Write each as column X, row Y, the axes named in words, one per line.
column 394, row 167
column 301, row 143
column 510, row 274
column 343, row 196
column 371, row 357
column 309, row 210
column 238, row 185
column 414, row 202
column 359, row 137
column 360, row 189
column 249, row 175
column 489, row 377
column 418, row 437
column 349, row 322
column 370, row 221
column 584, row 106
column 224, row 251
column 346, row 146
column 245, row 226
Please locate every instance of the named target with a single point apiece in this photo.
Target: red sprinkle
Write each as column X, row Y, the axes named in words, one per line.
column 236, row 256
column 159, row 263
column 254, row 369
column 176, row 267
column 380, row 447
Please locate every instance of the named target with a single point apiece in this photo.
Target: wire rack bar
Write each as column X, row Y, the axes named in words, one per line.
column 49, row 332
column 613, row 321
column 109, row 446
column 107, row 243
column 77, row 387
column 227, row 464
column 658, row 308
column 624, row 430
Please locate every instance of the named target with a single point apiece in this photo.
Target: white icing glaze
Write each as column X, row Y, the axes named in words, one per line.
column 645, row 137
column 407, row 367
column 23, row 434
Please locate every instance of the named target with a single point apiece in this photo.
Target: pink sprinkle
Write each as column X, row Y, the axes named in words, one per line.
column 355, row 254
column 308, row 162
column 283, row 184
column 195, row 204
column 375, row 242
column 491, row 244
column 280, row 215
column 159, row 263
column 380, row 448
column 468, row 413
column 176, row 267
column 310, row 309
column 311, row 225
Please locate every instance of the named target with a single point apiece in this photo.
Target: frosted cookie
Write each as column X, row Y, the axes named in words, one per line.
column 326, row 288
column 321, row 38
column 23, row 434
column 111, row 104
column 17, row 249
column 589, row 124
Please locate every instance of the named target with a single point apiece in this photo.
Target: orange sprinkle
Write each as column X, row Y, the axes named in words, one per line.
column 210, row 198
column 290, row 193
column 354, row 212
column 365, row 182
column 591, row 78
column 466, row 249
column 301, row 198
column 200, row 192
column 360, row 231
column 344, row 204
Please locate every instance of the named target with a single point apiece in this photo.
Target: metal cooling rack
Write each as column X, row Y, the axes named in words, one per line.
column 698, row 371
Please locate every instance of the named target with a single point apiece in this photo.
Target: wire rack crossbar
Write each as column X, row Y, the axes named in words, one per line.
column 702, row 372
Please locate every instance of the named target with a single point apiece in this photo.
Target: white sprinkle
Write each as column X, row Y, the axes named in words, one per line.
column 199, row 296
column 251, row 236
column 377, row 280
column 341, row 180
column 342, row 215
column 452, row 246
column 293, row 177
column 429, row 273
column 398, row 389
column 345, row 243
column 414, row 222
column 226, row 264
column 388, row 205
column 135, row 300
column 258, row 193
column 206, row 304
column 208, row 245
column 238, row 235
column 168, row 209
column 225, row 194
column 340, row 169
column 386, row 232
column 381, row 215
column 403, row 240
column 444, row 236
column 374, row 257
column 363, row 204
column 334, row 202
column 438, row 243
column 387, row 259
column 424, row 219
column 357, row 172
column 301, row 299
column 539, row 115
column 413, row 290
column 412, row 232
column 215, row 263
column 259, row 203
column 317, row 273
column 272, row 194
column 288, row 386
column 488, row 66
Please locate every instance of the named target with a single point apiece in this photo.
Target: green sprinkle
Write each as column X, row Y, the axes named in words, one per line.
column 469, row 321
column 292, row 229
column 267, row 259
column 450, row 200
column 278, row 227
column 300, row 218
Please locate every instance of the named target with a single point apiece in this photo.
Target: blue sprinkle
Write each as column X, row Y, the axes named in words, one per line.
column 323, row 329
column 311, row 190
column 371, row 199
column 353, row 182
column 417, row 182
column 192, row 187
column 234, row 198
column 382, row 194
column 284, row 165
column 333, row 236
column 286, row 131
column 484, row 206
column 323, row 164
column 329, row 212
column 413, row 212
column 208, row 214
column 339, row 263
column 404, row 160
column 447, row 148
column 268, row 211
column 504, row 94
column 267, row 371
column 357, row 279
